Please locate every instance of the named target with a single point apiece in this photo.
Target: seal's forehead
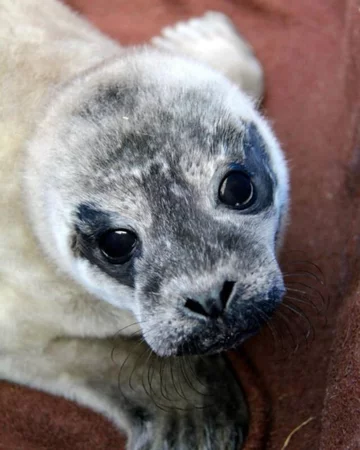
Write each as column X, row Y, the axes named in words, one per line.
column 151, row 108
column 141, row 184
column 195, row 149
column 156, row 120
column 132, row 132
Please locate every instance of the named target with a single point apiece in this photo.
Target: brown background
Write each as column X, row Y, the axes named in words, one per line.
column 310, row 50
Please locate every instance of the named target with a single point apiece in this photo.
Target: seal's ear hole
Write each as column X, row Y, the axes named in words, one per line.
column 118, row 246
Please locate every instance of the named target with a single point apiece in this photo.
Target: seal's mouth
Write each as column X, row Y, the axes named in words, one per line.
column 199, row 346
column 204, row 339
column 199, row 335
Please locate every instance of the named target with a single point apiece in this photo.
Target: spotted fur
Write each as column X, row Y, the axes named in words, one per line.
column 106, row 138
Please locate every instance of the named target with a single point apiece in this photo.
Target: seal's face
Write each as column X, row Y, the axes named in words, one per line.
column 169, row 204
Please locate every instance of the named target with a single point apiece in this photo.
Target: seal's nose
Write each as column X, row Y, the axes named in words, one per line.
column 211, row 305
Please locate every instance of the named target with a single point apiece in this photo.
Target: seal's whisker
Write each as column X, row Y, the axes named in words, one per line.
column 187, row 378
column 113, row 350
column 163, row 388
column 135, row 366
column 174, row 380
column 271, row 327
column 317, row 292
column 303, row 273
column 126, row 327
column 301, row 314
column 193, row 371
column 304, row 302
column 308, row 263
column 285, row 321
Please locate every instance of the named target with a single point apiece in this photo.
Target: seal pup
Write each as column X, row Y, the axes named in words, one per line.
column 143, row 201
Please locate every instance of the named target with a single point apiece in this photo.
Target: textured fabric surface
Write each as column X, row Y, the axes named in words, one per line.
column 311, row 54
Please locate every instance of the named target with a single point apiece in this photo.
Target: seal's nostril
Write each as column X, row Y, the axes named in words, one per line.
column 214, row 305
column 195, row 306
column 209, row 307
column 226, row 292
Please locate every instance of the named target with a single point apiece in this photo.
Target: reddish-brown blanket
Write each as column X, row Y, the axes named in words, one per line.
column 311, row 53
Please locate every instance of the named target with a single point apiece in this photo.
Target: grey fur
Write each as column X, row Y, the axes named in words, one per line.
column 139, row 140
column 150, row 157
column 162, row 166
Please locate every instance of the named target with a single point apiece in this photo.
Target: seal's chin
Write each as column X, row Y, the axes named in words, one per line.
column 197, row 334
column 203, row 342
column 196, row 346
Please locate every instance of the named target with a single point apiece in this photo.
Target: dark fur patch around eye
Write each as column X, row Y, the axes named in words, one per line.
column 279, row 224
column 90, row 224
column 255, row 163
column 258, row 164
column 254, row 145
column 92, row 221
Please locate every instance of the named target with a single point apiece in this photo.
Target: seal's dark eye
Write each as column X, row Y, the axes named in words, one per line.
column 236, row 190
column 118, row 245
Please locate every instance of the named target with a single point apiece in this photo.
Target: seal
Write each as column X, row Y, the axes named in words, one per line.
column 144, row 199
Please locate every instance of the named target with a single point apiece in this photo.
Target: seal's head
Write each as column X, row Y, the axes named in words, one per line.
column 161, row 190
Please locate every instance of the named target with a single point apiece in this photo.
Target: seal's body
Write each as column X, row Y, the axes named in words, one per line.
column 143, row 199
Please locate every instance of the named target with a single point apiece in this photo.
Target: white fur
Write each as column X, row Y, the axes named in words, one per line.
column 37, row 54
column 45, row 296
